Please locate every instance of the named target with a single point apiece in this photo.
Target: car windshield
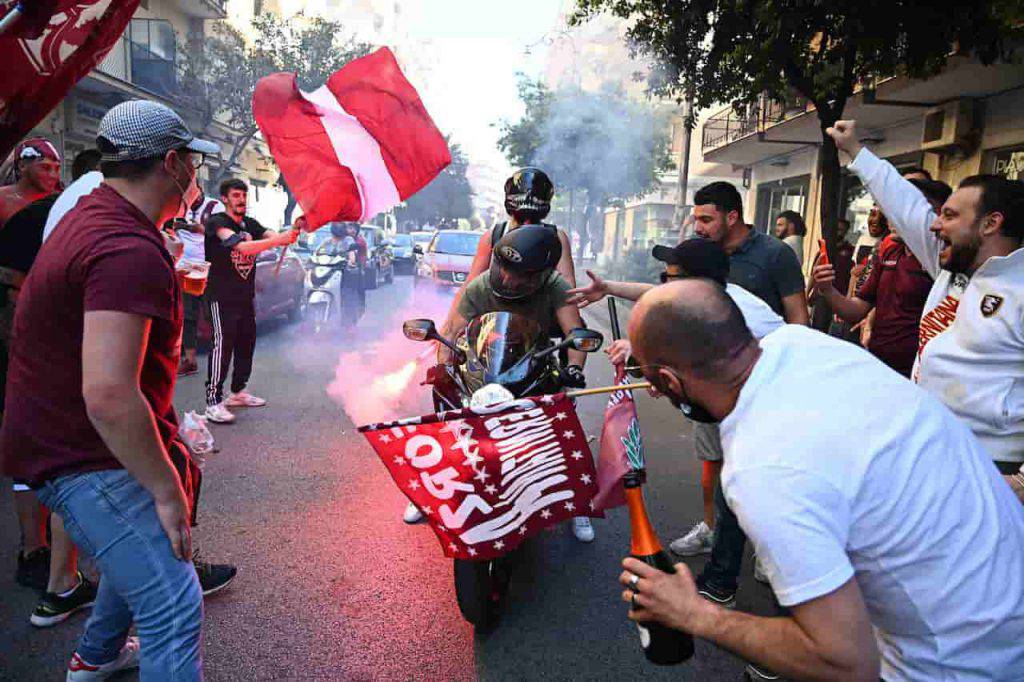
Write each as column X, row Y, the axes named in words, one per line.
column 422, row 237
column 457, row 243
column 402, row 240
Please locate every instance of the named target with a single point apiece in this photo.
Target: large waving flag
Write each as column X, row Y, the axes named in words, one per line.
column 488, row 478
column 53, row 45
column 358, row 145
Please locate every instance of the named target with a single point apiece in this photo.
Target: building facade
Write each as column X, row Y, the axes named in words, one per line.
column 964, row 121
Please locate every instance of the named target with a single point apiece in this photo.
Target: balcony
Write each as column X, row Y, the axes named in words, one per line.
column 731, row 125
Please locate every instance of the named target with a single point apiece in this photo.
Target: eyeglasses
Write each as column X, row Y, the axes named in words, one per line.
column 194, row 158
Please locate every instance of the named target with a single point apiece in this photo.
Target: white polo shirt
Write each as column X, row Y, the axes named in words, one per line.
column 971, row 341
column 911, row 508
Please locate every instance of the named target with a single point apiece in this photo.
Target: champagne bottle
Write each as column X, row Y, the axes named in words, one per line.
column 662, row 645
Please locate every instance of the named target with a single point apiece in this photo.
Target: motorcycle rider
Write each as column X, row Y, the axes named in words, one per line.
column 528, row 195
column 346, row 237
column 522, row 279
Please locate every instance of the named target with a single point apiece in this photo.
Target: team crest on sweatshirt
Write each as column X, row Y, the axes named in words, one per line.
column 990, row 304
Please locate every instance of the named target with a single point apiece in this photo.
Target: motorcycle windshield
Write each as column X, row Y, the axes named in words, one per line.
column 329, row 253
column 501, row 346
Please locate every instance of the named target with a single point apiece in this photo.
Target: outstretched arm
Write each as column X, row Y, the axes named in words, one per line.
column 599, row 288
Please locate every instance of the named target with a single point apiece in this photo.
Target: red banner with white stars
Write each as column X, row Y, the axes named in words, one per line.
column 488, row 478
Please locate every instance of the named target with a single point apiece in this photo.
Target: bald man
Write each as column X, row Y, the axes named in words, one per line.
column 900, row 553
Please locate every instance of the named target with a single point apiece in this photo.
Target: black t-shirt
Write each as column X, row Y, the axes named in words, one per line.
column 232, row 274
column 22, row 236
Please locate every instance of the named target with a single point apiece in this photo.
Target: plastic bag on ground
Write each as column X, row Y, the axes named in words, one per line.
column 196, row 436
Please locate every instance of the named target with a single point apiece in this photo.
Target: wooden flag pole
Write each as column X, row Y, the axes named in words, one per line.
column 609, row 389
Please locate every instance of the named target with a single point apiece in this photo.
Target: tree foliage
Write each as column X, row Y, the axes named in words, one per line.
column 446, row 199
column 219, row 74
column 734, row 51
column 598, row 147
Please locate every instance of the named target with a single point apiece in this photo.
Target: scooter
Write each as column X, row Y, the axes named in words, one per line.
column 497, row 357
column 334, row 287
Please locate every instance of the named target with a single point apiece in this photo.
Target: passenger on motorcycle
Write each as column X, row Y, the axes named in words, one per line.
column 522, row 279
column 528, row 194
column 346, row 237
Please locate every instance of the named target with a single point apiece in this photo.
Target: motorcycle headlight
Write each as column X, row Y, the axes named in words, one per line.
column 491, row 394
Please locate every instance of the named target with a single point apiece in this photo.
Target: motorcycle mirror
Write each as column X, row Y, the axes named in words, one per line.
column 419, row 330
column 586, row 340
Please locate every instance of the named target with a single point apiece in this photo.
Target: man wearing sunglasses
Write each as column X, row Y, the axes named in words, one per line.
column 852, row 536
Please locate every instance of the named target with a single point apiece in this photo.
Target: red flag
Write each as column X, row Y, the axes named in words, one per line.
column 39, row 71
column 354, row 147
column 622, row 447
column 488, row 478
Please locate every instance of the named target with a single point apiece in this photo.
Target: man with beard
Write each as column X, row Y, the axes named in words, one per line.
column 852, row 536
column 36, row 174
column 972, row 332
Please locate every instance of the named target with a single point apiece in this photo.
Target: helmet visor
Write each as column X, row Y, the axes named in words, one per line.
column 512, row 285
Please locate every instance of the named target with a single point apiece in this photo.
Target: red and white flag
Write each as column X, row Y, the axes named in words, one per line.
column 53, row 45
column 488, row 478
column 358, row 145
column 622, row 447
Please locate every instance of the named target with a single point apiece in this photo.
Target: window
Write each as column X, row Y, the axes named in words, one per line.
column 257, row 7
column 153, row 49
column 782, row 195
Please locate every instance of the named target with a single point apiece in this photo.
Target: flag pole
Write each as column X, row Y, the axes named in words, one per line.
column 609, row 389
column 11, row 18
column 613, row 318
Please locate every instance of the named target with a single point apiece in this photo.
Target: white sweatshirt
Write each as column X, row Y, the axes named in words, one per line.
column 971, row 341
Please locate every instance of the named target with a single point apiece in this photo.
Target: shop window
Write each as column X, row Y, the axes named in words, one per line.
column 778, row 196
column 1007, row 162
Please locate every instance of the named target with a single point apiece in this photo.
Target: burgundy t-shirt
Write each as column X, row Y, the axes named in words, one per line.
column 109, row 256
column 898, row 287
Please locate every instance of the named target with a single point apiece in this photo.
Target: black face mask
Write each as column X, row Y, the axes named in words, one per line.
column 690, row 409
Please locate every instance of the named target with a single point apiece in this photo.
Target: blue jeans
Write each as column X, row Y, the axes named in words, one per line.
column 112, row 518
column 723, row 568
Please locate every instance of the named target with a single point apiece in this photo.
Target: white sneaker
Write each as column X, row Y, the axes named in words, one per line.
column 219, row 414
column 759, row 574
column 79, row 669
column 697, row 541
column 583, row 529
column 243, row 399
column 412, row 514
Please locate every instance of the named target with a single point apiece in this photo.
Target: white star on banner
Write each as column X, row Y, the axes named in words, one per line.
column 561, row 415
column 384, row 438
column 569, row 506
column 427, row 510
column 548, row 400
column 490, row 488
column 522, row 530
column 481, row 475
column 414, row 484
column 585, row 478
column 568, row 435
column 499, row 545
column 453, row 547
column 471, row 551
column 576, row 454
column 399, row 461
column 545, row 514
column 472, row 459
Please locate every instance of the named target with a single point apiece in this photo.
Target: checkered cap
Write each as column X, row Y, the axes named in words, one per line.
column 140, row 129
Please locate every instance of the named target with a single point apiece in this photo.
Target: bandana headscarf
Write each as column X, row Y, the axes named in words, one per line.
column 29, row 150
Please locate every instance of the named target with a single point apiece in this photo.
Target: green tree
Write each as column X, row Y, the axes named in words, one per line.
column 722, row 51
column 599, row 148
column 446, row 199
column 218, row 74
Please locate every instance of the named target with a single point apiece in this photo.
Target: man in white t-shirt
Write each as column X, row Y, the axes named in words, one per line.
column 971, row 341
column 194, row 240
column 696, row 257
column 900, row 553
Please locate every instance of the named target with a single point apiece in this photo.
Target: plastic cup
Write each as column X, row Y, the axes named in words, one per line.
column 193, row 278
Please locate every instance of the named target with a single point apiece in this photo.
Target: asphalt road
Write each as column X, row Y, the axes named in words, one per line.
column 333, row 586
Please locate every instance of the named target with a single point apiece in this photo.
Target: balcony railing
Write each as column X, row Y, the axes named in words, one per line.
column 732, row 124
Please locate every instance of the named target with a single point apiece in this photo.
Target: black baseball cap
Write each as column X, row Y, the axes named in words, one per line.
column 696, row 257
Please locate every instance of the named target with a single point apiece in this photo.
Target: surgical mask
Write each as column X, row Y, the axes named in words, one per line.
column 189, row 195
column 689, row 409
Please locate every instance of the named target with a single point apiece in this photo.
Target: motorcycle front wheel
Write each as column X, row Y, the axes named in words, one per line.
column 480, row 587
column 318, row 315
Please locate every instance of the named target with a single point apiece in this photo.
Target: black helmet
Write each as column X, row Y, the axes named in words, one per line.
column 528, row 195
column 523, row 261
column 340, row 230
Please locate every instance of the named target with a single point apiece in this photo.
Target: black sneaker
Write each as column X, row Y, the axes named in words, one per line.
column 213, row 577
column 724, row 598
column 34, row 569
column 755, row 673
column 53, row 608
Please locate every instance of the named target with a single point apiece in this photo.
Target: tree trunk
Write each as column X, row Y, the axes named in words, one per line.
column 237, row 148
column 831, row 184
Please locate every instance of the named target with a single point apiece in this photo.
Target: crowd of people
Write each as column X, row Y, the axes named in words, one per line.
column 895, row 554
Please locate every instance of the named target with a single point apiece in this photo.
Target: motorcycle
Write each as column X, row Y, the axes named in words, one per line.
column 334, row 287
column 498, row 357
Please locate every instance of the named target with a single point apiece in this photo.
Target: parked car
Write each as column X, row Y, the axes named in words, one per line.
column 380, row 261
column 401, row 247
column 278, row 293
column 446, row 261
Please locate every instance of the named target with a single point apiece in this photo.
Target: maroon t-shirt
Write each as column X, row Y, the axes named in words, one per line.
column 898, row 287
column 109, row 256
